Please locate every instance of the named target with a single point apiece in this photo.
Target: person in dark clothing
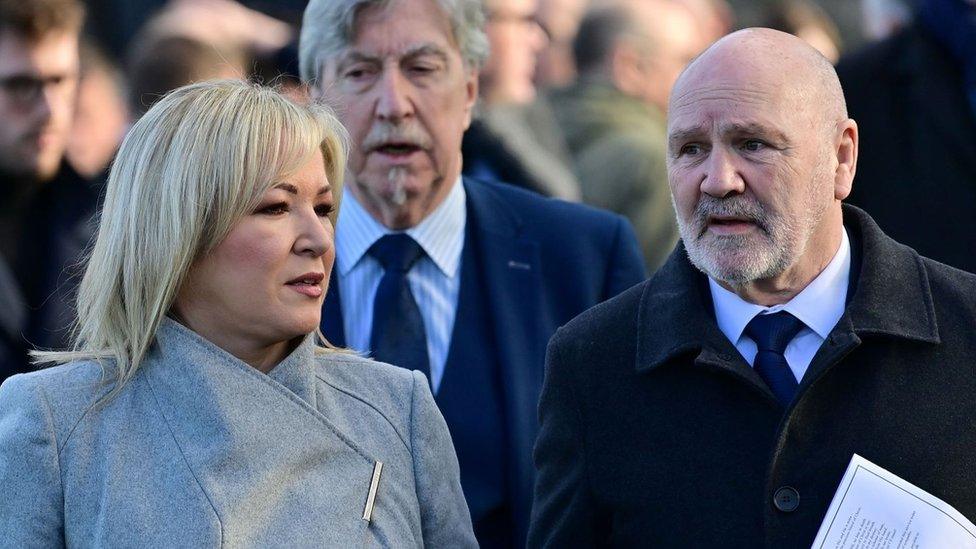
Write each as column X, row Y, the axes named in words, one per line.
column 45, row 208
column 914, row 98
column 719, row 403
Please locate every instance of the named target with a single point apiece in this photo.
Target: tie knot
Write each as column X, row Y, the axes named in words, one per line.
column 398, row 251
column 773, row 332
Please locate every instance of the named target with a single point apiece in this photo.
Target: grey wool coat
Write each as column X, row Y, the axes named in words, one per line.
column 201, row 450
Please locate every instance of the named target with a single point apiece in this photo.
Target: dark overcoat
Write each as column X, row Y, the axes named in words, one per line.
column 655, row 432
column 916, row 168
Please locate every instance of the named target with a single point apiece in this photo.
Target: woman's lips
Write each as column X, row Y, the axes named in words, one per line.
column 306, row 289
column 309, row 284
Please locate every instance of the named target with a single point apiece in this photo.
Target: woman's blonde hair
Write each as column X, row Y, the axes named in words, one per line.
column 193, row 165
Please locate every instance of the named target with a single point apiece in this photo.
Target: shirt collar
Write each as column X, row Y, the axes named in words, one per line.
column 819, row 306
column 440, row 234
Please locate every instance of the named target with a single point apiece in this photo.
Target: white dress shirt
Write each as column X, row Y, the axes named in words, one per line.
column 819, row 306
column 434, row 280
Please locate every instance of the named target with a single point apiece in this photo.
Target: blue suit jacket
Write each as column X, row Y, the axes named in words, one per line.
column 545, row 261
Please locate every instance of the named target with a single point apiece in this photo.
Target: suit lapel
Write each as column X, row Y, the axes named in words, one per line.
column 513, row 286
column 331, row 325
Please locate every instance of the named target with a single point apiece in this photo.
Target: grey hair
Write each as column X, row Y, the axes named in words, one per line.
column 189, row 169
column 328, row 27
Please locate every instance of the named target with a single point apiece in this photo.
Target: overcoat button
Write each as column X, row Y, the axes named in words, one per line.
column 786, row 499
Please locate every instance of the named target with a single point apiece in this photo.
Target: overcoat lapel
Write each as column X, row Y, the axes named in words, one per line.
column 255, row 445
column 678, row 294
column 513, row 285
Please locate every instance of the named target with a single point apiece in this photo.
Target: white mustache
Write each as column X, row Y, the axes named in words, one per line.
column 740, row 206
column 385, row 133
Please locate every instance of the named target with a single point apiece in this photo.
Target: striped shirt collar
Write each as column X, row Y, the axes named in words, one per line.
column 440, row 234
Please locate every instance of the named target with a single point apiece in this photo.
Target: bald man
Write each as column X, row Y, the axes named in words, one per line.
column 719, row 403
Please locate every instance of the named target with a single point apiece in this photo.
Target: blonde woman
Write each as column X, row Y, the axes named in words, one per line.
column 197, row 407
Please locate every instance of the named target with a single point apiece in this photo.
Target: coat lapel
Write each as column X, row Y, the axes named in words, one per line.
column 889, row 296
column 677, row 293
column 513, row 283
column 255, row 446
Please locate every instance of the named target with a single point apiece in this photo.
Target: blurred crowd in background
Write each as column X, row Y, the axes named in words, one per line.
column 573, row 103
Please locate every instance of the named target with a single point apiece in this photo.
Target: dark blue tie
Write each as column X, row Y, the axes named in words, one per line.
column 398, row 335
column 772, row 333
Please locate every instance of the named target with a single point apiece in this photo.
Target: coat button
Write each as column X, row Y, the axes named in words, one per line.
column 786, row 499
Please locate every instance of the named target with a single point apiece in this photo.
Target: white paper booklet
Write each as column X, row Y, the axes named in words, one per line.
column 875, row 509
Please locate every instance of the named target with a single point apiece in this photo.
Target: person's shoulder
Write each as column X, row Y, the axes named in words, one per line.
column 386, row 389
column 951, row 284
column 540, row 210
column 62, row 394
column 866, row 65
column 609, row 320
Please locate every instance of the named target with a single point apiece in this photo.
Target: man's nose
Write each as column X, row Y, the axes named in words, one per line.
column 394, row 101
column 721, row 177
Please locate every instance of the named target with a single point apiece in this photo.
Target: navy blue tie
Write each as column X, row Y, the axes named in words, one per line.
column 772, row 333
column 398, row 336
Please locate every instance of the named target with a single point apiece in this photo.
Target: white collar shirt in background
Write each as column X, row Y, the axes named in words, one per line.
column 819, row 306
column 435, row 279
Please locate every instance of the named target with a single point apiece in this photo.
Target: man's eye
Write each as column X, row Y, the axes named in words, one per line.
column 690, row 149
column 357, row 73
column 753, row 145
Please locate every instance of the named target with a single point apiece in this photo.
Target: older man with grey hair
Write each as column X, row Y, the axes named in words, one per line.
column 461, row 279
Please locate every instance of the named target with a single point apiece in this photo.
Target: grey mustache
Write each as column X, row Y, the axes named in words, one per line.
column 739, row 206
column 383, row 133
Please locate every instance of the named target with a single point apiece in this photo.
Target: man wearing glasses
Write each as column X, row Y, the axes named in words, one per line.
column 45, row 206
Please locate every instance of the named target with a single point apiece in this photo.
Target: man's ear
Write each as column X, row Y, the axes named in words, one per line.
column 846, row 151
column 471, row 95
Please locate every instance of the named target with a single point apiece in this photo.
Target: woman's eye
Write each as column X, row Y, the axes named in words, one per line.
column 277, row 208
column 323, row 210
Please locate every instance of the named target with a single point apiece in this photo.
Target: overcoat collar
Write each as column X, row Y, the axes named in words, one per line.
column 250, row 440
column 891, row 296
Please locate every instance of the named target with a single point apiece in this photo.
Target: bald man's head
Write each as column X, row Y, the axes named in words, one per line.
column 772, row 59
column 760, row 155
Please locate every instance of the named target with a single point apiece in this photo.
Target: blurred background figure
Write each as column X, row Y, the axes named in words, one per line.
column 628, row 54
column 161, row 63
column 101, row 114
column 505, row 142
column 193, row 40
column 715, row 18
column 913, row 96
column 46, row 205
column 560, row 19
column 808, row 22
column 882, row 18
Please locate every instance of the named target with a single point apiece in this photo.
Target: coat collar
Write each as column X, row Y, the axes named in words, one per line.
column 890, row 296
column 177, row 344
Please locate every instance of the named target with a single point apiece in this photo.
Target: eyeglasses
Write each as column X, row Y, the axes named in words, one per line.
column 25, row 90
